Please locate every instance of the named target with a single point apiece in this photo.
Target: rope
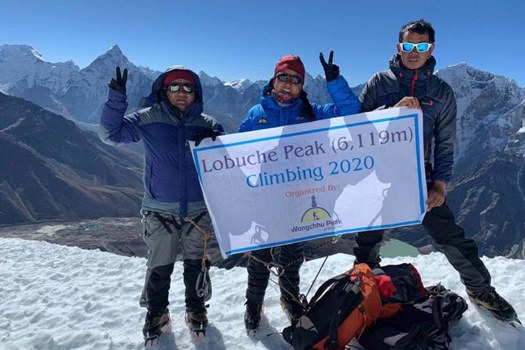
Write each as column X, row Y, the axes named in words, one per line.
column 317, row 275
column 206, row 235
column 202, row 284
column 333, row 241
column 273, row 267
column 277, row 270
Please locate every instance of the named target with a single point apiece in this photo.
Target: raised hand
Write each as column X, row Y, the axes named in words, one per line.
column 331, row 71
column 118, row 83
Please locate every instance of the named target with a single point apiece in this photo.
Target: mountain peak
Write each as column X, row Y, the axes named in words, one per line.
column 239, row 84
column 208, row 80
column 111, row 58
column 114, row 50
column 463, row 73
column 461, row 68
column 20, row 51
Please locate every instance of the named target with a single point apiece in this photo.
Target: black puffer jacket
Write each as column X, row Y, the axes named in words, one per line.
column 437, row 103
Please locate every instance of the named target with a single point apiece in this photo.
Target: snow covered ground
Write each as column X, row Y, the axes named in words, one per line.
column 57, row 297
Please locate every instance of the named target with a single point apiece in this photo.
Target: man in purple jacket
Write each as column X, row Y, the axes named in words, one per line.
column 174, row 215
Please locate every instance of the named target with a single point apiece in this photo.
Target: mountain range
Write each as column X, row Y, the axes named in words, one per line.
column 52, row 169
column 55, row 167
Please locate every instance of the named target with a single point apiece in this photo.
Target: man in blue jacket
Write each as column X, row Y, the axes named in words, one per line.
column 284, row 102
column 174, row 215
column 410, row 82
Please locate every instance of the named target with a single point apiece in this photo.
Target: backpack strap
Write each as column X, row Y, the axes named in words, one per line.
column 353, row 288
column 440, row 321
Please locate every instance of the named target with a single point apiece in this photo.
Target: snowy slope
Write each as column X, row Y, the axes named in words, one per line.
column 56, row 297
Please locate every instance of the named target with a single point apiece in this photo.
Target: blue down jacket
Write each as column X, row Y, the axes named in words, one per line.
column 437, row 103
column 170, row 180
column 269, row 113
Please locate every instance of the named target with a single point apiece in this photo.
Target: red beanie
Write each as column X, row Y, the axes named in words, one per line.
column 178, row 74
column 291, row 62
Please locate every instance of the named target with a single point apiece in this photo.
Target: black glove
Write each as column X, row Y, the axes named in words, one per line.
column 233, row 260
column 208, row 133
column 331, row 71
column 119, row 83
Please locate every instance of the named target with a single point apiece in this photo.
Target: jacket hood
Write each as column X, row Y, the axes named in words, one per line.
column 267, row 88
column 157, row 89
column 396, row 65
column 406, row 75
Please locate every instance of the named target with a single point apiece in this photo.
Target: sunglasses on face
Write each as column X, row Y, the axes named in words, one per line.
column 283, row 77
column 420, row 47
column 186, row 87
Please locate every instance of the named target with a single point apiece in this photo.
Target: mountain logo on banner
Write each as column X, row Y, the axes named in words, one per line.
column 315, row 213
column 317, row 218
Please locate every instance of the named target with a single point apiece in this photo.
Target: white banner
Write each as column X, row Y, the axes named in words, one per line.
column 300, row 182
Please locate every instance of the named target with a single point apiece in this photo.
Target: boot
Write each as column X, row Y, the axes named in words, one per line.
column 293, row 310
column 252, row 317
column 155, row 325
column 489, row 299
column 197, row 320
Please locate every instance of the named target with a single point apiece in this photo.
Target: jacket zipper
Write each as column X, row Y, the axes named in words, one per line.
column 183, row 210
column 151, row 181
column 413, row 83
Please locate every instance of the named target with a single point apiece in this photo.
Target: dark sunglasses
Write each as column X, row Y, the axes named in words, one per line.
column 420, row 47
column 283, row 77
column 186, row 87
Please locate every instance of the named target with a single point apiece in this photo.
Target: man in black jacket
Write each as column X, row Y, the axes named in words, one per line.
column 410, row 83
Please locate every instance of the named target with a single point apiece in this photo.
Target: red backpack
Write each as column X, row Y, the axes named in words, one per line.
column 340, row 310
column 425, row 315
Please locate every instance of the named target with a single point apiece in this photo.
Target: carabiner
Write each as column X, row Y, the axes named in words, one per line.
column 201, row 287
column 275, row 269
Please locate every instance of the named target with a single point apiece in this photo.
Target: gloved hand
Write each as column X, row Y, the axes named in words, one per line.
column 208, row 133
column 331, row 71
column 119, row 82
column 232, row 261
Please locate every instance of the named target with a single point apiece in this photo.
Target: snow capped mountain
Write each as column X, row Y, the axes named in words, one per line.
column 240, row 84
column 79, row 94
column 150, row 73
column 516, row 143
column 65, row 89
column 243, row 85
column 489, row 111
column 22, row 68
column 488, row 105
column 85, row 92
column 210, row 81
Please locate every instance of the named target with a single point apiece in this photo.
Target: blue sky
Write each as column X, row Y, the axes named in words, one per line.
column 235, row 39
